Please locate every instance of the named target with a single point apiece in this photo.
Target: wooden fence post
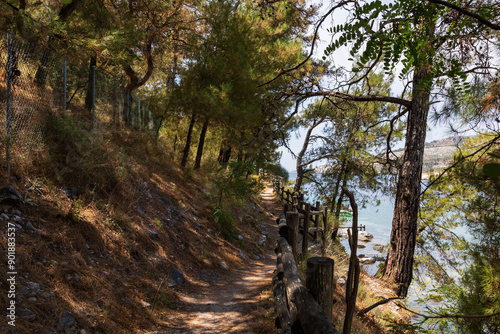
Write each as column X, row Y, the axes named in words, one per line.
column 305, row 239
column 292, row 221
column 320, row 283
column 316, row 221
column 323, row 237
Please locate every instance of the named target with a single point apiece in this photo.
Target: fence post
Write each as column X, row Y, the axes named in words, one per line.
column 320, row 283
column 316, row 221
column 9, row 100
column 65, row 84
column 323, row 237
column 292, row 221
column 305, row 240
column 93, row 98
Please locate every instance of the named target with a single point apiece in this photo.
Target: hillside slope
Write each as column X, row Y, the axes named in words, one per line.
column 117, row 258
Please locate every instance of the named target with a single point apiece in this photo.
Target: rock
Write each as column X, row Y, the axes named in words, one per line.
column 66, row 321
column 206, row 192
column 4, row 216
column 141, row 210
column 239, row 236
column 262, row 240
column 145, row 304
column 71, row 192
column 361, row 246
column 35, row 287
column 32, row 299
column 154, row 235
column 164, row 201
column 223, row 266
column 341, row 281
column 365, row 234
column 30, row 226
column 242, row 255
column 16, row 212
column 177, row 276
column 367, row 260
column 364, row 239
column 10, row 195
column 26, row 314
column 378, row 247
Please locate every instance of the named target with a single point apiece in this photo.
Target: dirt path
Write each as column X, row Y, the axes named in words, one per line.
column 231, row 303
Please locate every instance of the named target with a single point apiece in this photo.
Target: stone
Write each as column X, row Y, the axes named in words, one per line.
column 223, row 266
column 10, row 195
column 378, row 247
column 177, row 276
column 141, row 210
column 32, row 299
column 31, row 227
column 365, row 234
column 4, row 216
column 35, row 287
column 242, row 255
column 27, row 314
column 367, row 260
column 66, row 321
column 341, row 281
column 361, row 246
column 145, row 304
column 364, row 239
column 154, row 235
column 262, row 240
column 71, row 192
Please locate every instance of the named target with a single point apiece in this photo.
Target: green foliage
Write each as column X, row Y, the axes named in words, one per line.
column 465, row 198
column 225, row 222
column 406, row 32
column 278, row 170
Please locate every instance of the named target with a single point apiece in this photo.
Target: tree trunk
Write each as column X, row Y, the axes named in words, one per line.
column 300, row 156
column 224, row 154
column 41, row 72
column 201, row 143
column 89, row 98
column 399, row 266
column 187, row 147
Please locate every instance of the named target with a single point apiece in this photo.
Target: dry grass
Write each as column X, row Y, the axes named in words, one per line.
column 105, row 254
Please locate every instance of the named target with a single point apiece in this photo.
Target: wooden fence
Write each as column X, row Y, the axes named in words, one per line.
column 302, row 308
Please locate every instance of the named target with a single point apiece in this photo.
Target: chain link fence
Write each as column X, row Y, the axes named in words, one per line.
column 36, row 81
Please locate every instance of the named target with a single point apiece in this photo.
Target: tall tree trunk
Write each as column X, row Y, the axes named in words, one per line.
column 399, row 266
column 224, row 153
column 300, row 156
column 187, row 147
column 201, row 143
column 42, row 70
column 89, row 98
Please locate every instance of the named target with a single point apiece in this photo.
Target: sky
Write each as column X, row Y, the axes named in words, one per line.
column 339, row 58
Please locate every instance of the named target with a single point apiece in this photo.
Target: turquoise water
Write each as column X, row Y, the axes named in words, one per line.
column 378, row 222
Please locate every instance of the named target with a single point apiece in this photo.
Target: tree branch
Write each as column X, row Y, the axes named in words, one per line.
column 312, row 47
column 484, row 147
column 467, row 13
column 381, row 302
column 356, row 98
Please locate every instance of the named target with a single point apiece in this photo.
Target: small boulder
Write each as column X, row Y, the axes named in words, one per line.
column 223, row 266
column 367, row 260
column 365, row 234
column 378, row 247
column 10, row 195
column 177, row 276
column 66, row 321
column 71, row 192
column 27, row 314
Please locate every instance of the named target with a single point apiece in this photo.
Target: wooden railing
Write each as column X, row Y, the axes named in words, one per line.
column 302, row 308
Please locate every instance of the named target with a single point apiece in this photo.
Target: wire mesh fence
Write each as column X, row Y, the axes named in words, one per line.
column 36, row 81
